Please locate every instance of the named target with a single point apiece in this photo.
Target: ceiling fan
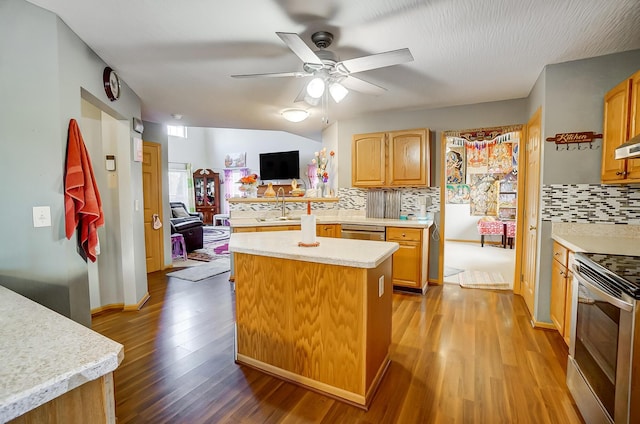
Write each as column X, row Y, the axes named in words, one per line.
column 328, row 70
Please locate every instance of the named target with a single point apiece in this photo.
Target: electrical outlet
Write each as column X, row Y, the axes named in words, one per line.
column 381, row 286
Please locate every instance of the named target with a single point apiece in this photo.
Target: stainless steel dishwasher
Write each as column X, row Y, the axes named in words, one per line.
column 363, row 232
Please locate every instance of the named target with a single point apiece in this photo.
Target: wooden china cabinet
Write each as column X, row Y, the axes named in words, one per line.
column 206, row 185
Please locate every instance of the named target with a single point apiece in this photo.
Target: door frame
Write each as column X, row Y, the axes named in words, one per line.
column 519, row 192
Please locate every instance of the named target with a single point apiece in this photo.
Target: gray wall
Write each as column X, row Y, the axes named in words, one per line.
column 572, row 101
column 43, row 69
column 437, row 120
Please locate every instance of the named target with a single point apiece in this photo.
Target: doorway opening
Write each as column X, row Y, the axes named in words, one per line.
column 479, row 206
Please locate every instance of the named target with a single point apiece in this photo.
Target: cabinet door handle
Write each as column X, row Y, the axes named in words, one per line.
column 532, row 227
column 404, row 235
column 623, row 173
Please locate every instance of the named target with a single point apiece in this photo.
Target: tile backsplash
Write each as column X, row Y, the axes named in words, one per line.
column 591, row 203
column 356, row 199
column 577, row 203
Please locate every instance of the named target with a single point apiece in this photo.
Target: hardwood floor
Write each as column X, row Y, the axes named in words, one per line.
column 458, row 355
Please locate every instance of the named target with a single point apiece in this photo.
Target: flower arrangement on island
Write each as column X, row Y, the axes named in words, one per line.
column 322, row 161
column 249, row 184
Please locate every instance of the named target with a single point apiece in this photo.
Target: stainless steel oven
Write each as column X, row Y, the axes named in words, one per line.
column 363, row 232
column 600, row 371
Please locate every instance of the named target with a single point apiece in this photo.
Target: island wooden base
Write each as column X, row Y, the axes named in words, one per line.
column 321, row 326
column 92, row 402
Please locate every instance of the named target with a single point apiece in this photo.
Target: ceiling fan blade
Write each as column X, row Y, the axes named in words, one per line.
column 357, row 84
column 374, row 61
column 295, row 43
column 274, row 75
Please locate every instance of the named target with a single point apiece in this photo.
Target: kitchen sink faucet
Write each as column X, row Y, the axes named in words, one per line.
column 283, row 209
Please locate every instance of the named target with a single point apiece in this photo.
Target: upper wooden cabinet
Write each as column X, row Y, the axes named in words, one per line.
column 391, row 159
column 621, row 122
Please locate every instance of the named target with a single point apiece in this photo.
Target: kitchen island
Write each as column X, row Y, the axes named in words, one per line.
column 52, row 369
column 318, row 316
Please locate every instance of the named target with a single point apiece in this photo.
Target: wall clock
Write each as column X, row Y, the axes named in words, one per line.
column 111, row 83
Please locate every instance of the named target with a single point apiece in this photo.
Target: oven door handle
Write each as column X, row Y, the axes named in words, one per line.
column 625, row 306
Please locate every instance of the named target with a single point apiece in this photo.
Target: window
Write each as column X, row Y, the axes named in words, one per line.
column 179, row 184
column 177, row 131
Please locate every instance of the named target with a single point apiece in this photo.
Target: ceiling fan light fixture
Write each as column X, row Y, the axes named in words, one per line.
column 295, row 115
column 338, row 92
column 315, row 88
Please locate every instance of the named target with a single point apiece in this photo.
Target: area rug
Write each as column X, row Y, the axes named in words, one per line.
column 197, row 273
column 483, row 280
column 216, row 245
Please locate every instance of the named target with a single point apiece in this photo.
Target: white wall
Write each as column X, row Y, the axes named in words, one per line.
column 207, row 148
column 459, row 224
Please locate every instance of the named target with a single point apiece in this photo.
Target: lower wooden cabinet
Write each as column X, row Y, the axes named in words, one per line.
column 244, row 229
column 329, row 230
column 560, row 307
column 410, row 261
column 278, row 228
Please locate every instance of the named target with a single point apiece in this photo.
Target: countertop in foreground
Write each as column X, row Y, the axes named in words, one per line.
column 44, row 355
column 598, row 238
column 333, row 251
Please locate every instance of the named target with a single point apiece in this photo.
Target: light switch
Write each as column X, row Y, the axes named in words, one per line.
column 381, row 286
column 110, row 162
column 41, row 216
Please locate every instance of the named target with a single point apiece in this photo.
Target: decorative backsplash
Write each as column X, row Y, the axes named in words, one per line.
column 578, row 203
column 356, row 199
column 591, row 203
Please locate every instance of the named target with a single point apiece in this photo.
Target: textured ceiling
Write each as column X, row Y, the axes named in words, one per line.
column 178, row 55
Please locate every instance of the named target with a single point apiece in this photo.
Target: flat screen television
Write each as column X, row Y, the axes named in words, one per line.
column 280, row 165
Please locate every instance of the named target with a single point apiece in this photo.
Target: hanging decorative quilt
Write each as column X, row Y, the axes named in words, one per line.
column 455, row 165
column 483, row 199
column 458, row 194
column 477, row 157
column 500, row 157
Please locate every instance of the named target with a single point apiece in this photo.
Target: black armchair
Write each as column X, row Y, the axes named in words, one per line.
column 188, row 224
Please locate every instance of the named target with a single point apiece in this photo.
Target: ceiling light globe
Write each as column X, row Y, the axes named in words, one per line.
column 315, row 88
column 338, row 92
column 295, row 115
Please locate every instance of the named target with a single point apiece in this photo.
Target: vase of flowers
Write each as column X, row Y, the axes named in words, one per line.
column 249, row 185
column 323, row 161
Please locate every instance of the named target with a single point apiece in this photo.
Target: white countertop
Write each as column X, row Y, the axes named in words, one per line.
column 254, row 222
column 44, row 355
column 333, row 251
column 598, row 238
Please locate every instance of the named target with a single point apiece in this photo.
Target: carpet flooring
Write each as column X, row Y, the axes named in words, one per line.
column 216, row 245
